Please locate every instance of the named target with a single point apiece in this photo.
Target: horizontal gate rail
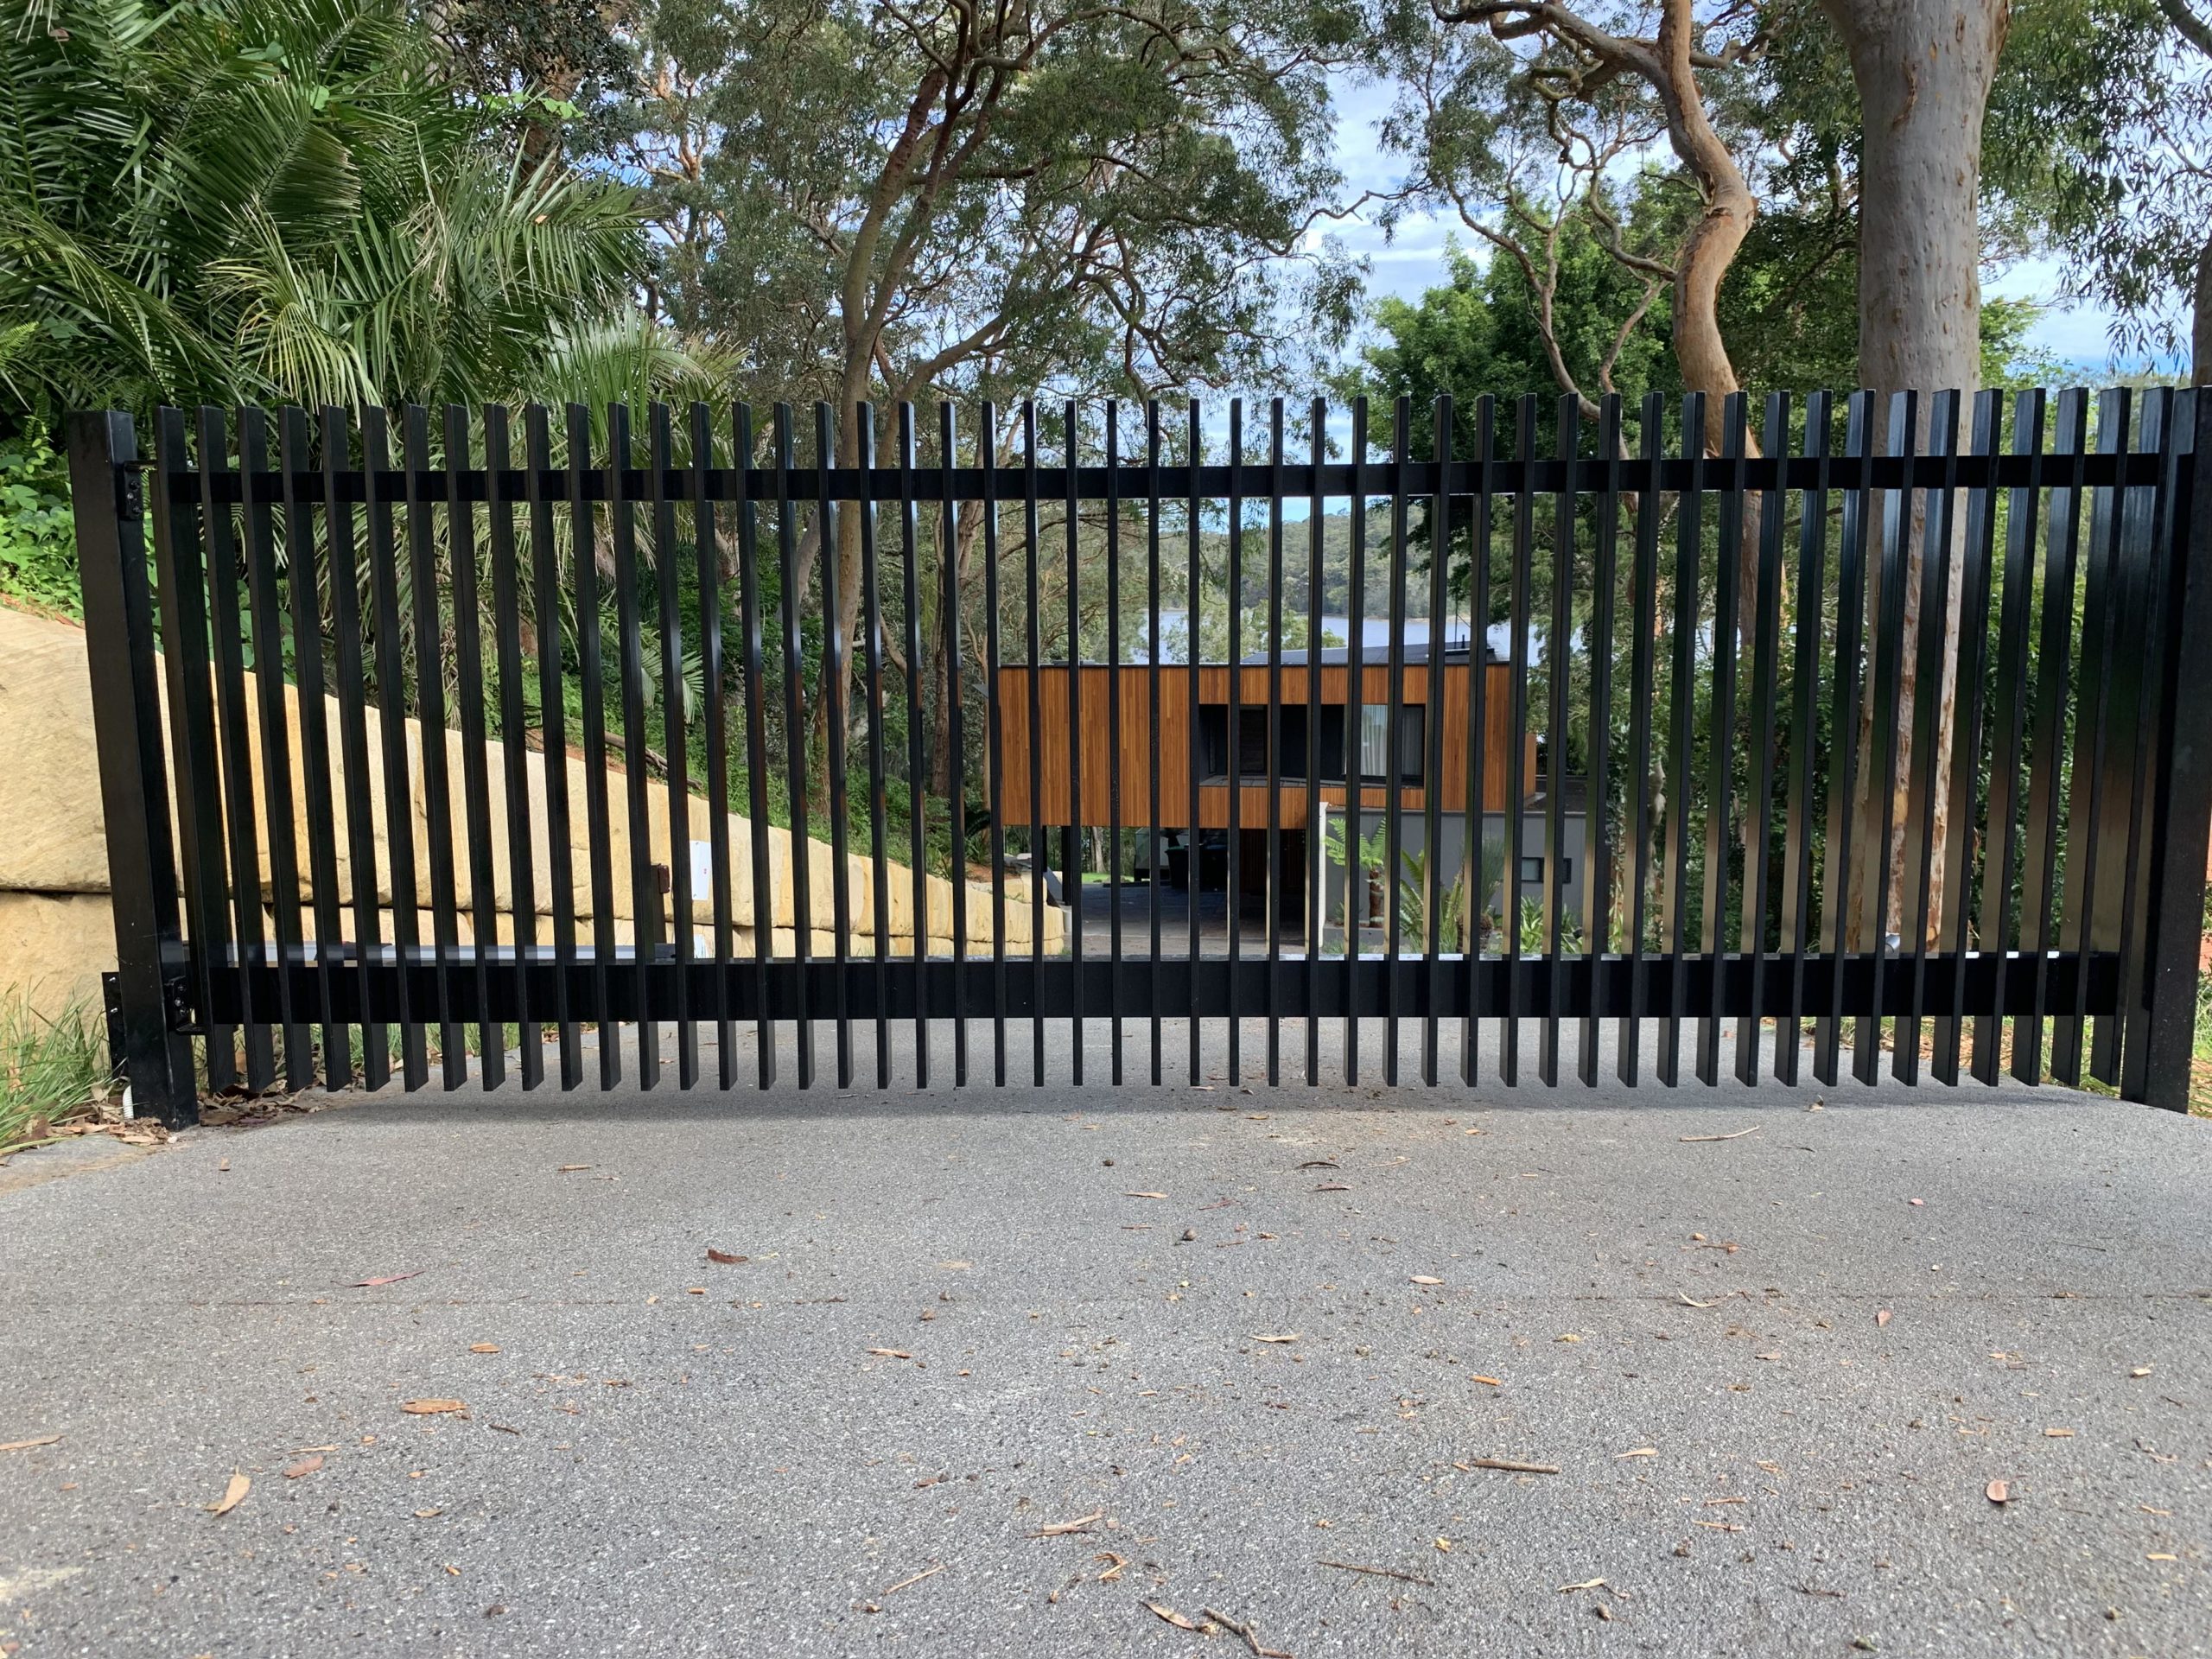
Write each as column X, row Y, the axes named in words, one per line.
column 1870, row 726
column 496, row 990
column 1294, row 479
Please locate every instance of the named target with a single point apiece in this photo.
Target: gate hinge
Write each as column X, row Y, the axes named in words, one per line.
column 130, row 494
column 176, row 998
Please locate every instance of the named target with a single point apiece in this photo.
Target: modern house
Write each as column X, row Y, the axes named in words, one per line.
column 1096, row 792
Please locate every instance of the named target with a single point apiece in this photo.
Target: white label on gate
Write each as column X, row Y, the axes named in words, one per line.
column 702, row 868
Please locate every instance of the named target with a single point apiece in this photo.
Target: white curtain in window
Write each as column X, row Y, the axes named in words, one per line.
column 1375, row 741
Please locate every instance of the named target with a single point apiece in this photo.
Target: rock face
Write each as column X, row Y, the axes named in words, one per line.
column 57, row 931
column 54, row 948
column 49, row 782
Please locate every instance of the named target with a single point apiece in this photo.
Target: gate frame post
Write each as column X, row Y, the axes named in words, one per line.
column 2182, row 807
column 109, row 507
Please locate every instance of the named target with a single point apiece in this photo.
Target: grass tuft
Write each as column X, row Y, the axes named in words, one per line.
column 51, row 1069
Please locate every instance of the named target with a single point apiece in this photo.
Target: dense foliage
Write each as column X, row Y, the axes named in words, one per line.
column 380, row 202
column 285, row 199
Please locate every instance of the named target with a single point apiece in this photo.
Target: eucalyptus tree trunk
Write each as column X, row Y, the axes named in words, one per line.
column 1923, row 69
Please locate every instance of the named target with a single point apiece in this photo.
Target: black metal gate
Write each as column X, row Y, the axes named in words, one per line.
column 524, row 730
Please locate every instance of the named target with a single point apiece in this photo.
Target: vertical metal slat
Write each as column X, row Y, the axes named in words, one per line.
column 468, row 681
column 553, row 738
column 675, row 738
column 637, row 784
column 591, row 672
column 715, row 725
column 265, row 604
column 1559, row 664
column 1597, row 836
column 1766, row 651
column 753, row 625
column 836, row 676
column 1810, row 595
column 1436, row 683
column 1935, row 581
column 1999, row 926
column 315, row 736
column 1720, row 743
column 228, row 640
column 352, row 733
column 795, row 743
column 1837, row 916
column 514, row 749
column 1951, row 925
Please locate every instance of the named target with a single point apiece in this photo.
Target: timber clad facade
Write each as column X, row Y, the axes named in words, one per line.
column 1093, row 738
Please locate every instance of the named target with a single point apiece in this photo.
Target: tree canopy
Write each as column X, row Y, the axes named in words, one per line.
column 285, row 198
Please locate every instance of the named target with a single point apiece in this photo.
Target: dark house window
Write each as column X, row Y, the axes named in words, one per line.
column 1252, row 745
column 1374, row 756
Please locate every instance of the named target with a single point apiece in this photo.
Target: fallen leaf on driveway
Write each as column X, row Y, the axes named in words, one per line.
column 1998, row 1491
column 1640, row 1452
column 25, row 1446
column 1424, row 1279
column 1174, row 1617
column 2162, row 1556
column 1882, row 1316
column 1587, row 1584
column 304, row 1466
column 1494, row 1382
column 570, row 1169
column 726, row 1258
column 389, row 1279
column 1332, row 1186
column 2058, row 1433
column 927, row 1572
column 1115, row 1564
column 1737, row 1136
column 1144, row 1195
column 1291, row 1337
column 2140, row 1370
column 431, row 1407
column 1251, row 1637
column 483, row 1347
column 1511, row 1466
column 1688, row 1301
column 890, row 1353
column 1061, row 1529
column 233, row 1495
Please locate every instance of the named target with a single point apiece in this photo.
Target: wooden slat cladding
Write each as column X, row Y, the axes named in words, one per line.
column 1175, row 739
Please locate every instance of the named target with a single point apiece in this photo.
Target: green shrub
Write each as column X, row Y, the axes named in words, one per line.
column 38, row 544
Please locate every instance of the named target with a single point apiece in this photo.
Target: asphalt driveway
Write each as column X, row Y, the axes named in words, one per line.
column 1108, row 1372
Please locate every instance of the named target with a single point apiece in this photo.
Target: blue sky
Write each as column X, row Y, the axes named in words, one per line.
column 1413, row 259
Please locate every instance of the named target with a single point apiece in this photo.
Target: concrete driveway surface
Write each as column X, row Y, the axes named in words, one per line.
column 1120, row 1372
